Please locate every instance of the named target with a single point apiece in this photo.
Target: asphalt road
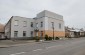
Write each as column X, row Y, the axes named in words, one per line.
column 60, row 47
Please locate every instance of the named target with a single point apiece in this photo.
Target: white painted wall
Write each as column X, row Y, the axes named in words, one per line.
column 20, row 28
column 45, row 16
column 51, row 17
column 56, row 24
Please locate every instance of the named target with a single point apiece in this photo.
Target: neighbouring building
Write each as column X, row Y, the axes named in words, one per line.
column 2, row 31
column 82, row 33
column 67, row 32
column 45, row 23
column 74, row 32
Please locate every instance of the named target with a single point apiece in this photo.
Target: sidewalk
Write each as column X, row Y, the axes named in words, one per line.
column 9, row 43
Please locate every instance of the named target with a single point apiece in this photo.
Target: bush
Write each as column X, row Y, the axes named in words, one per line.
column 69, row 37
column 50, row 38
column 46, row 37
column 56, row 38
column 37, row 39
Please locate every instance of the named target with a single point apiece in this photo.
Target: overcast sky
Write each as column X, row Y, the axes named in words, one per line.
column 73, row 11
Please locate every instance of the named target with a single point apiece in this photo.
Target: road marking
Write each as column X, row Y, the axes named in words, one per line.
column 50, row 47
column 37, row 49
column 18, row 53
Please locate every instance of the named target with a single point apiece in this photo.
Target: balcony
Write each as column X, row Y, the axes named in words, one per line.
column 36, row 29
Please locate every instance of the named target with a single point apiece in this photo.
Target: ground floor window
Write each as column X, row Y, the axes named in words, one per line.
column 24, row 33
column 15, row 33
column 31, row 33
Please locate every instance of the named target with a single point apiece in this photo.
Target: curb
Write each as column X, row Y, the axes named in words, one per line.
column 4, row 46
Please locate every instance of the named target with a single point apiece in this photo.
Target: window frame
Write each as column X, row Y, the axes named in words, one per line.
column 15, row 33
column 31, row 24
column 41, row 24
column 25, row 23
column 59, row 25
column 41, row 34
column 24, row 33
column 16, row 22
column 52, row 24
column 31, row 33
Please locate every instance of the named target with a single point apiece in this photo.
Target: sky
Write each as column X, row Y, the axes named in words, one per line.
column 73, row 11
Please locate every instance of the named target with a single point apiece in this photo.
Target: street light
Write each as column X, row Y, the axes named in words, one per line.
column 53, row 29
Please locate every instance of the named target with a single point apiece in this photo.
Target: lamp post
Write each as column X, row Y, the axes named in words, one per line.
column 53, row 33
column 53, row 29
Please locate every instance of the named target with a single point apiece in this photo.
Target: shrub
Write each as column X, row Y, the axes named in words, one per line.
column 37, row 39
column 50, row 38
column 69, row 37
column 46, row 37
column 56, row 38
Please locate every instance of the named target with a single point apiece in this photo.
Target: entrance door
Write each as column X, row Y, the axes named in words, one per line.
column 36, row 33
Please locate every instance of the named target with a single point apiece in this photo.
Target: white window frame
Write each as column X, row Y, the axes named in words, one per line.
column 60, row 25
column 25, row 23
column 31, row 24
column 24, row 32
column 41, row 24
column 15, row 33
column 16, row 22
column 31, row 33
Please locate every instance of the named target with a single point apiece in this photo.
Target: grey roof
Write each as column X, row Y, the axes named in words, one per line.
column 47, row 13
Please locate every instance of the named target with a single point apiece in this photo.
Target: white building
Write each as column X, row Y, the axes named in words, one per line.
column 45, row 23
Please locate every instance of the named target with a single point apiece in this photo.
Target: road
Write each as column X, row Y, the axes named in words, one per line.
column 74, row 46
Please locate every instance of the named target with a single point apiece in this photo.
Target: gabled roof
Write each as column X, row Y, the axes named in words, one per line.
column 76, row 30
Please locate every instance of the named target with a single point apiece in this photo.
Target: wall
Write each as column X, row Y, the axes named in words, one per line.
column 20, row 28
column 8, row 29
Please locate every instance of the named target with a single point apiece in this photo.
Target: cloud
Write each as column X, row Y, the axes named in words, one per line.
column 72, row 10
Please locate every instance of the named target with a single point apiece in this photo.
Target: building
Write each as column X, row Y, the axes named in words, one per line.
column 74, row 32
column 82, row 33
column 2, row 31
column 67, row 32
column 45, row 23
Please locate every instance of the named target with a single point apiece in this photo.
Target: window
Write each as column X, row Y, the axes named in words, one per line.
column 37, row 25
column 25, row 23
column 52, row 24
column 16, row 22
column 59, row 25
column 15, row 33
column 31, row 33
column 24, row 33
column 31, row 24
column 41, row 24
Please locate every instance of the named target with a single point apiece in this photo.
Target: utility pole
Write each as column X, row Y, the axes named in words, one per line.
column 53, row 33
column 53, row 29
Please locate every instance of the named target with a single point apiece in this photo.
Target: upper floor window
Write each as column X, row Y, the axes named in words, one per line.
column 59, row 25
column 31, row 24
column 25, row 23
column 41, row 24
column 37, row 25
column 52, row 24
column 16, row 22
column 24, row 33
